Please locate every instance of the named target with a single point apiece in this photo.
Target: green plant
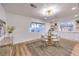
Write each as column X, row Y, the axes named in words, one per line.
column 10, row 29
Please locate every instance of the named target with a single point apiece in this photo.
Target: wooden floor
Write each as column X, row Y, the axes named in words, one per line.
column 21, row 50
column 5, row 50
column 65, row 49
column 36, row 48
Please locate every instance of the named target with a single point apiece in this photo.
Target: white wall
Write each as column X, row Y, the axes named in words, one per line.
column 2, row 13
column 74, row 35
column 22, row 24
column 70, row 35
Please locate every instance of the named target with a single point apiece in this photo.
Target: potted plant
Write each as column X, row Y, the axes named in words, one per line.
column 10, row 29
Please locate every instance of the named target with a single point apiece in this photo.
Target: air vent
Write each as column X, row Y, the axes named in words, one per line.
column 32, row 5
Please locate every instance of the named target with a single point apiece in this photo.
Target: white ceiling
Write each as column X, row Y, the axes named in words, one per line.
column 26, row 10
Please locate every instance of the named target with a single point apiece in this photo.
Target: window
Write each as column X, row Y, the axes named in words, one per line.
column 66, row 26
column 2, row 24
column 1, row 31
column 37, row 27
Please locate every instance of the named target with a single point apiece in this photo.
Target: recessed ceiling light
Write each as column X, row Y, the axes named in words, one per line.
column 45, row 18
column 76, row 15
column 50, row 11
column 74, row 8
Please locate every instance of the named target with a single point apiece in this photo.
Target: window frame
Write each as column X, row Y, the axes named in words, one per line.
column 37, row 23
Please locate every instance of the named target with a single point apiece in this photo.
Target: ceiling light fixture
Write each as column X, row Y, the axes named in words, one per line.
column 76, row 15
column 45, row 18
column 50, row 11
column 74, row 8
